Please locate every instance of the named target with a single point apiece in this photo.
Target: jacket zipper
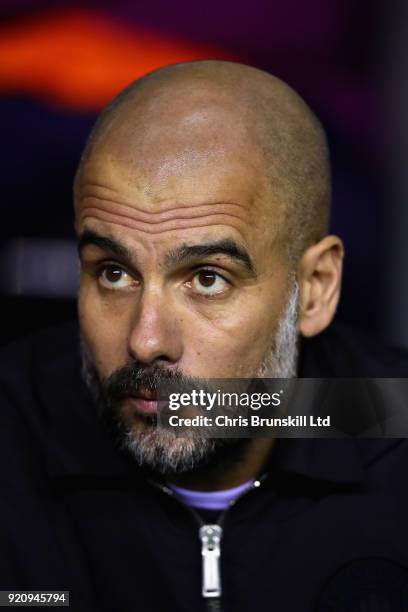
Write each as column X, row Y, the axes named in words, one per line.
column 210, row 536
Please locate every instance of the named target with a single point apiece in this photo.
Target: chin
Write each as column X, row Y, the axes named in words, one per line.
column 165, row 453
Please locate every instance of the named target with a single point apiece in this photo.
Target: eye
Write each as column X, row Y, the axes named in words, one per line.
column 115, row 278
column 208, row 282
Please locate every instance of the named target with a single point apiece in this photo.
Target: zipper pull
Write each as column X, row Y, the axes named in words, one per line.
column 210, row 536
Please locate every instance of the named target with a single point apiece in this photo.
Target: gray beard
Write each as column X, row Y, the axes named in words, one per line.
column 160, row 449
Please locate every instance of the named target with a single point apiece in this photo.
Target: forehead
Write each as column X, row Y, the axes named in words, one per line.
column 125, row 204
column 194, row 173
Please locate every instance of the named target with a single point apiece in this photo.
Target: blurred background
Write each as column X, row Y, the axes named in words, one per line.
column 61, row 62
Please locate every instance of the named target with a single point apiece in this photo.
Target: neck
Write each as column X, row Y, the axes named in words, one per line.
column 227, row 473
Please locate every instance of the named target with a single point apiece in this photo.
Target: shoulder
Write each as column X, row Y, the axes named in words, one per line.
column 37, row 374
column 34, row 361
column 341, row 351
column 40, row 347
column 40, row 366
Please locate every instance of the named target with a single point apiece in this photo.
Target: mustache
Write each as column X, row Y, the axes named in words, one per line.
column 137, row 377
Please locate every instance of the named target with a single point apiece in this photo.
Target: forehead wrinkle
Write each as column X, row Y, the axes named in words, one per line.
column 172, row 224
column 189, row 210
column 97, row 185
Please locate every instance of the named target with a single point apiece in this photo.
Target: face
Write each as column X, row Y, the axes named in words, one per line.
column 182, row 270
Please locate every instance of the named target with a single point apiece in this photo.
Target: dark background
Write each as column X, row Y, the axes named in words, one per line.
column 61, row 62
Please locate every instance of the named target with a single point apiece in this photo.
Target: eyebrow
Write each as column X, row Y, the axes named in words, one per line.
column 103, row 242
column 181, row 255
column 221, row 247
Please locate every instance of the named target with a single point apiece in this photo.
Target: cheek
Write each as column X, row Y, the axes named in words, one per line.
column 104, row 331
column 233, row 341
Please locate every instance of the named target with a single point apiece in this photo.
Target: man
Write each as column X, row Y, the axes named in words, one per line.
column 201, row 207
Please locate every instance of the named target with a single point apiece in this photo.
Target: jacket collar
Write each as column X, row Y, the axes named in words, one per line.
column 328, row 460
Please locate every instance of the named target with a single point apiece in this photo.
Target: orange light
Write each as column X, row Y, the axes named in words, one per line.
column 80, row 58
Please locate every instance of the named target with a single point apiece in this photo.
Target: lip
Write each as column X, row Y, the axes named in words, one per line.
column 145, row 406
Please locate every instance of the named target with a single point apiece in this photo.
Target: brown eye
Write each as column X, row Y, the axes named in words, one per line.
column 208, row 282
column 115, row 278
column 113, row 275
column 206, row 278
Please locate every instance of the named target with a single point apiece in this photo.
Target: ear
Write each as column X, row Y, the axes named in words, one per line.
column 319, row 275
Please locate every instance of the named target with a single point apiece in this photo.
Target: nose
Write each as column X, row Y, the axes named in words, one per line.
column 155, row 334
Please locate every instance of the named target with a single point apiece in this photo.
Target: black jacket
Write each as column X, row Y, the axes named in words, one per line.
column 327, row 529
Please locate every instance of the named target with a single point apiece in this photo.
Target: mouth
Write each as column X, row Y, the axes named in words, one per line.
column 145, row 402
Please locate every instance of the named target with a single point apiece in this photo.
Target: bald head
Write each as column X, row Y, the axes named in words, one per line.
column 204, row 112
